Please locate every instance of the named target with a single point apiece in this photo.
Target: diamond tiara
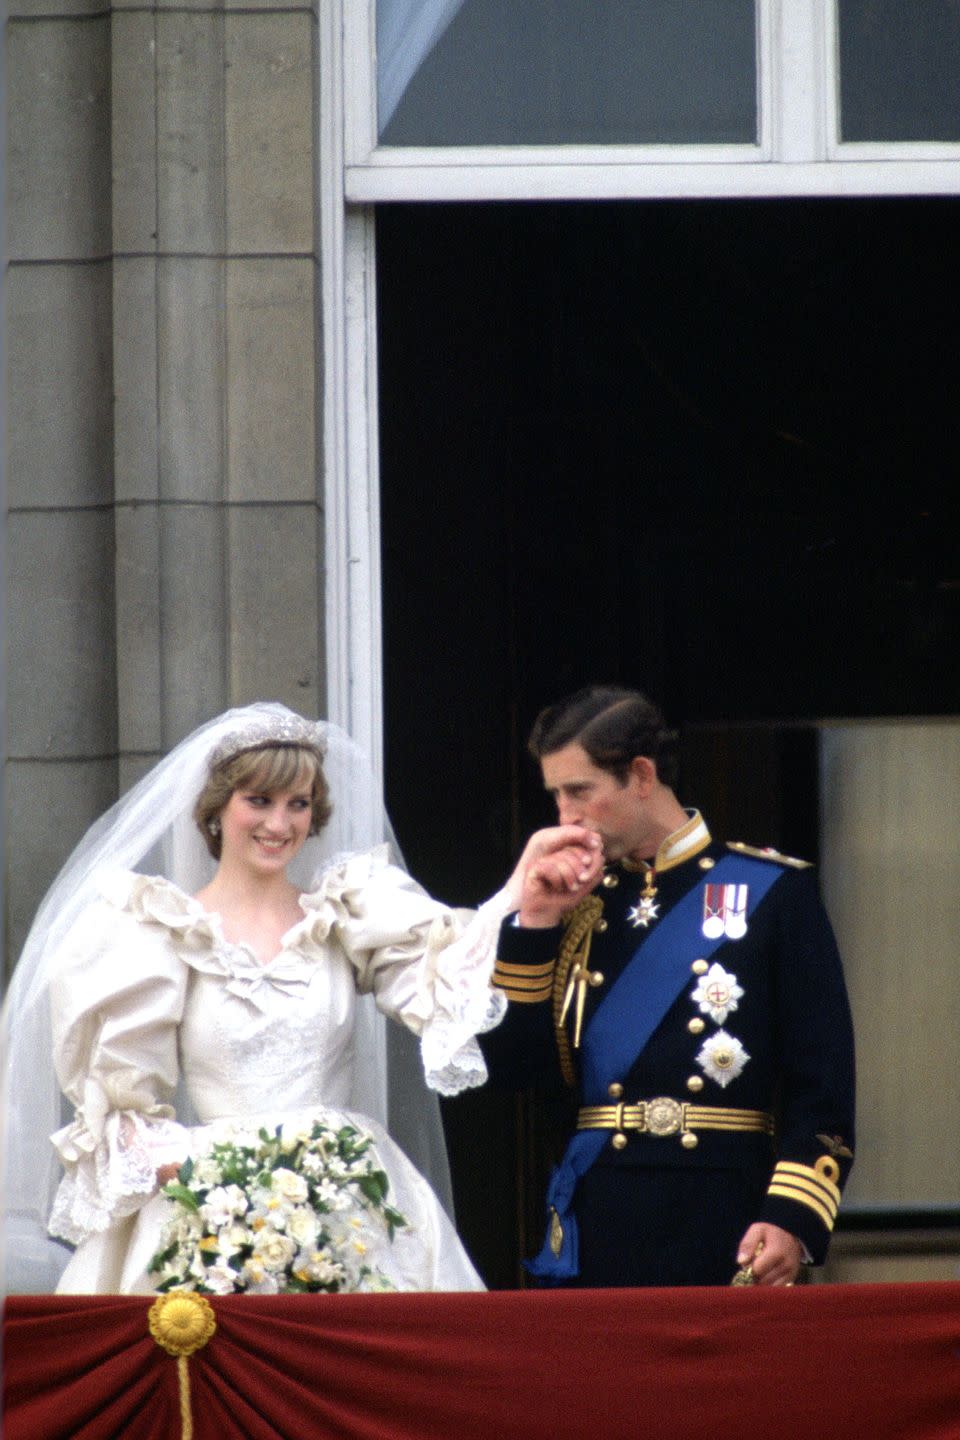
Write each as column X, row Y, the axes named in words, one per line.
column 271, row 730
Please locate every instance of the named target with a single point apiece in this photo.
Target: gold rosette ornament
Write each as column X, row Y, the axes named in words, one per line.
column 182, row 1322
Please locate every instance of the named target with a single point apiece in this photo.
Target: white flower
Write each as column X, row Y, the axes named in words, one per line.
column 319, row 1266
column 257, row 1279
column 328, row 1194
column 717, row 994
column 207, row 1171
column 722, row 1057
column 274, row 1251
column 297, row 1226
column 232, row 1239
column 186, row 1228
column 289, row 1184
column 197, row 1268
column 303, row 1225
column 220, row 1279
column 292, row 1138
column 222, row 1204
column 269, row 1209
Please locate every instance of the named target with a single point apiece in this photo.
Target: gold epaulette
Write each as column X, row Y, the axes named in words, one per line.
column 767, row 852
column 574, row 947
column 524, row 984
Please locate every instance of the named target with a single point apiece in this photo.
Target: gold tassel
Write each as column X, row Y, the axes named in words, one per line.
column 182, row 1322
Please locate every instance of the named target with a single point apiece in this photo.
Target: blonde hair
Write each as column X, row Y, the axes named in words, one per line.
column 267, row 768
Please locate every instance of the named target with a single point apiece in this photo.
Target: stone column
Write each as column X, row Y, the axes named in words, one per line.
column 165, row 517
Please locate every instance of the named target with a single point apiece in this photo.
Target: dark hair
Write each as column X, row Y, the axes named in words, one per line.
column 271, row 766
column 613, row 725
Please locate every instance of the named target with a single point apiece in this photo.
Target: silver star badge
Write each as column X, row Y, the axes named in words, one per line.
column 643, row 913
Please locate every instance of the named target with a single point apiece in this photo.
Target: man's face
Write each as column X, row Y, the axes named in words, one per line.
column 586, row 795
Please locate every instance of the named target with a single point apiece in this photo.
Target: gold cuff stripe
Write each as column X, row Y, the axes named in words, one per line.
column 524, row 984
column 523, row 981
column 790, row 1171
column 525, row 997
column 523, row 972
column 804, row 1187
column 787, row 1192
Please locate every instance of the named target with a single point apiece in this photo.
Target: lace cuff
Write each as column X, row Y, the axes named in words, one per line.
column 111, row 1175
column 463, row 1003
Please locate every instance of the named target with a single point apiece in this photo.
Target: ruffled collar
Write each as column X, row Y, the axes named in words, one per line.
column 198, row 937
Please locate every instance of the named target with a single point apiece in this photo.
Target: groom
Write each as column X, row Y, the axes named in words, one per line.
column 693, row 999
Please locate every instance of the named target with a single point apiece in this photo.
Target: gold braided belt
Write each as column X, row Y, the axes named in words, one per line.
column 663, row 1117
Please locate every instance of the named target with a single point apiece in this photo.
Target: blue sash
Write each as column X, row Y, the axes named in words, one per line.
column 622, row 1024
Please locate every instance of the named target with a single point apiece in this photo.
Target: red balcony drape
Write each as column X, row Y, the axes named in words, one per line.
column 864, row 1362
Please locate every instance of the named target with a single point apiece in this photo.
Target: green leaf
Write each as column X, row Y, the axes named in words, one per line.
column 182, row 1195
column 161, row 1258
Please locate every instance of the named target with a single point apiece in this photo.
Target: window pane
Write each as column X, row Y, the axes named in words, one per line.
column 542, row 72
column 899, row 69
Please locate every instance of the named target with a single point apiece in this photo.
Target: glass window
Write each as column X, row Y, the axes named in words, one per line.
column 899, row 69
column 547, row 72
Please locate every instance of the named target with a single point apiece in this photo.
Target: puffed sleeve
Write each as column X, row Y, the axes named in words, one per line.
column 429, row 966
column 116, row 1000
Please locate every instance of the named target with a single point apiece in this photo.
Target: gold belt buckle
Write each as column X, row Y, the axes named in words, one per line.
column 662, row 1116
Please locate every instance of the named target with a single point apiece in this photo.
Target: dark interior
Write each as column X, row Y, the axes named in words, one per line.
column 708, row 448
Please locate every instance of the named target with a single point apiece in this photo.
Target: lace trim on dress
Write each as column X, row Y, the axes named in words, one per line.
column 111, row 1175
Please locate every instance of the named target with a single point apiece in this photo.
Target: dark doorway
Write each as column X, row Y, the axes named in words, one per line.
column 710, row 448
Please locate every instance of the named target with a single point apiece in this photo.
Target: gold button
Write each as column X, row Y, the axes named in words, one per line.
column 689, row 1141
column 706, row 863
column 615, row 1091
column 610, row 882
column 696, row 1026
column 601, row 925
column 699, row 967
column 619, row 1141
column 596, row 978
column 695, row 1083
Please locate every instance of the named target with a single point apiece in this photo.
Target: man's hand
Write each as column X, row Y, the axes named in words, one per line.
column 775, row 1254
column 557, row 868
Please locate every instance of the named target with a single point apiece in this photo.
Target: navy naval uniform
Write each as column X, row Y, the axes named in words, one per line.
column 698, row 1010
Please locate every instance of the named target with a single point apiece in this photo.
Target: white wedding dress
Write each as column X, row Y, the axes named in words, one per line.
column 149, row 993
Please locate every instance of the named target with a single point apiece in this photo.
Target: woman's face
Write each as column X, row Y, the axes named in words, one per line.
column 264, row 830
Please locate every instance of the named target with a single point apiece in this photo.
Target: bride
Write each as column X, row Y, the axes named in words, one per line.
column 229, row 988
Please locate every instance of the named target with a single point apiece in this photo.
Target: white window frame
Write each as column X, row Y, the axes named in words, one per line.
column 797, row 154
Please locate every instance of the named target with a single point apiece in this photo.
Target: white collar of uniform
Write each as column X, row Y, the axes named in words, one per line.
column 683, row 844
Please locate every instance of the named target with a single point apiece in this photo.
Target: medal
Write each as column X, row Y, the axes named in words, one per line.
column 646, row 908
column 735, row 920
column 717, row 993
column 724, row 912
column 643, row 912
column 722, row 1057
column 712, row 911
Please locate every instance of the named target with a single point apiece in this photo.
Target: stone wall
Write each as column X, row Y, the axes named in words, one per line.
column 165, row 525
